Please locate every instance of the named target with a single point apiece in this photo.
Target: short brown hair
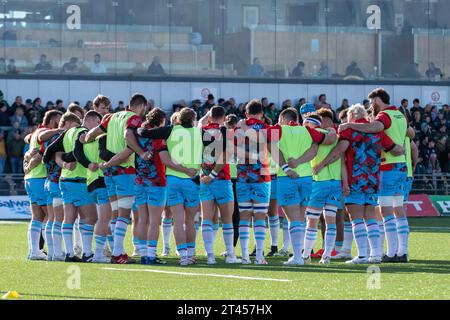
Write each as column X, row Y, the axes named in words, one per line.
column 187, row 117
column 49, row 115
column 154, row 118
column 73, row 107
column 101, row 99
column 289, row 114
column 325, row 113
column 69, row 117
column 254, row 107
column 343, row 114
column 382, row 94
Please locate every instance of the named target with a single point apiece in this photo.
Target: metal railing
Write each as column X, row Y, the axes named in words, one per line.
column 433, row 184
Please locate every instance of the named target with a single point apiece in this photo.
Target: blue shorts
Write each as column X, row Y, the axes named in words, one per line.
column 53, row 190
column 150, row 195
column 294, row 191
column 326, row 193
column 220, row 191
column 182, row 191
column 121, row 185
column 100, row 196
column 362, row 199
column 274, row 188
column 75, row 193
column 393, row 182
column 408, row 187
column 253, row 192
column 36, row 191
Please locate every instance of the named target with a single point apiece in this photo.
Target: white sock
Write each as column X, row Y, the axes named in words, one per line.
column 403, row 236
column 390, row 229
column 100, row 245
column 228, row 237
column 167, row 229
column 49, row 238
column 244, row 237
column 182, row 250
column 120, row 232
column 34, row 235
column 67, row 229
column 330, row 239
column 152, row 247
column 87, row 233
column 360, row 234
column 207, row 233
column 142, row 248
column 215, row 230
column 78, row 224
column 191, row 249
column 297, row 235
column 57, row 238
column 348, row 238
column 274, row 225
column 286, row 235
column 382, row 236
column 310, row 240
column 373, row 232
column 260, row 236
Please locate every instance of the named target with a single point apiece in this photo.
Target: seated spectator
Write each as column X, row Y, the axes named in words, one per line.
column 71, row 66
column 120, row 107
column 19, row 117
column 299, row 70
column 433, row 72
column 299, row 104
column 3, row 154
column 98, row 67
column 443, row 154
column 30, row 111
column 286, row 104
column 240, row 112
column 2, row 65
column 416, row 106
column 12, row 69
column 324, row 71
column 156, row 68
column 60, row 105
column 17, row 102
column 272, row 113
column 344, row 106
column 220, row 102
column 43, row 65
column 4, row 116
column 256, row 70
column 412, row 71
column 16, row 146
column 354, row 70
column 207, row 105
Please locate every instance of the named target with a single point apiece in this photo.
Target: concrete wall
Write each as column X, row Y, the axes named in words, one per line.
column 167, row 93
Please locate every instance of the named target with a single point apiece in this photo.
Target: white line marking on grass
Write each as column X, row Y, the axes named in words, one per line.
column 430, row 228
column 13, row 222
column 200, row 274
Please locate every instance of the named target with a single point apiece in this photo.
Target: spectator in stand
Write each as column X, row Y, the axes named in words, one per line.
column 17, row 102
column 344, row 106
column 156, row 68
column 324, row 71
column 3, row 100
column 299, row 70
column 4, row 116
column 433, row 72
column 31, row 112
column 366, row 104
column 256, row 70
column 71, row 66
column 299, row 104
column 286, row 104
column 16, row 146
column 12, row 69
column 446, row 111
column 443, row 154
column 404, row 109
column 353, row 70
column 120, row 107
column 20, row 118
column 432, row 153
column 88, row 106
column 196, row 105
column 240, row 113
column 265, row 102
column 3, row 154
column 416, row 123
column 434, row 113
column 416, row 106
column 60, row 106
column 272, row 113
column 43, row 65
column 98, row 67
column 221, row 102
column 207, row 105
column 2, row 65
column 426, row 127
column 230, row 107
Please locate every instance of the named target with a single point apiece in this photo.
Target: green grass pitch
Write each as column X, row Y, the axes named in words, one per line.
column 426, row 277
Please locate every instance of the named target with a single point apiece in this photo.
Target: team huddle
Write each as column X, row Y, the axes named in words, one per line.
column 90, row 175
